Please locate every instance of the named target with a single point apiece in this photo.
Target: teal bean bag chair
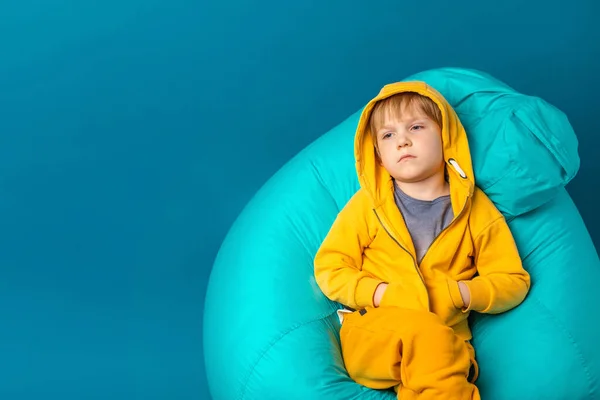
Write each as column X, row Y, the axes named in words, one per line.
column 269, row 332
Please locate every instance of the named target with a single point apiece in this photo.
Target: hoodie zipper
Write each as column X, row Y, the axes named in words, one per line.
column 446, row 228
column 406, row 250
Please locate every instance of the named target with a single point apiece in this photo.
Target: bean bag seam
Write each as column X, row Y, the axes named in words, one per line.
column 321, row 182
column 273, row 343
column 499, row 177
column 558, row 152
column 570, row 338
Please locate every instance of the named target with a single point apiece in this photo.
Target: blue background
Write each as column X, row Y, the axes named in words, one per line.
column 132, row 134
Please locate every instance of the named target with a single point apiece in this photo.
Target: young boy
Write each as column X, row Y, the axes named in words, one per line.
column 415, row 250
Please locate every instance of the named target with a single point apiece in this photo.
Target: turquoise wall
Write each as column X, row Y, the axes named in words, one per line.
column 132, row 133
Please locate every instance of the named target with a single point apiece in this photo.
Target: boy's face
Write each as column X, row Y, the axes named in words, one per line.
column 410, row 146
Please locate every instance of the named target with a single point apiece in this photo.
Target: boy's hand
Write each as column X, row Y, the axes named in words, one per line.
column 465, row 293
column 379, row 293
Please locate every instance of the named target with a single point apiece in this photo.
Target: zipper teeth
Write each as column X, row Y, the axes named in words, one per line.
column 402, row 247
column 445, row 229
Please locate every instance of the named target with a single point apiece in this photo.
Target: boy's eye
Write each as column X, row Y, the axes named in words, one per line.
column 418, row 127
column 387, row 135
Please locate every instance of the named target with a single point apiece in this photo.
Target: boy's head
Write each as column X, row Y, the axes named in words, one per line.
column 406, row 131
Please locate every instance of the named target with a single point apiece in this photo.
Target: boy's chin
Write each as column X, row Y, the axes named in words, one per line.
column 407, row 179
column 416, row 178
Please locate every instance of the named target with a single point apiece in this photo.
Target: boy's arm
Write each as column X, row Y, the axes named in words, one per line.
column 338, row 262
column 502, row 283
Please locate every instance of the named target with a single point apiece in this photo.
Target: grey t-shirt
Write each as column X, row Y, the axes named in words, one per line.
column 424, row 219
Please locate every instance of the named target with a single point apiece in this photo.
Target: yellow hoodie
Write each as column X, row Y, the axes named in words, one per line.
column 369, row 242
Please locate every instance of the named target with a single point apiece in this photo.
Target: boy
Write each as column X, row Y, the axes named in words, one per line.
column 415, row 250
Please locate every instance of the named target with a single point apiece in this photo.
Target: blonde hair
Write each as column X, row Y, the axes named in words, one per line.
column 393, row 106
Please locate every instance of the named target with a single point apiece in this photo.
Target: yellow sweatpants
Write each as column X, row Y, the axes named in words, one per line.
column 410, row 351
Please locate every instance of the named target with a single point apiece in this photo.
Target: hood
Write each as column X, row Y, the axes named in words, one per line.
column 377, row 182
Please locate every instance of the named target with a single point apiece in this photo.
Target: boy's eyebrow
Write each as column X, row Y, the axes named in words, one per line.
column 408, row 120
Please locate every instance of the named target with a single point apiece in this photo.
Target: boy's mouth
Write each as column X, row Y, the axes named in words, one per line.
column 405, row 157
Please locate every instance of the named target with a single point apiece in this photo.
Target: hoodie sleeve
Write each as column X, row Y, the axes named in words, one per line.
column 502, row 283
column 338, row 262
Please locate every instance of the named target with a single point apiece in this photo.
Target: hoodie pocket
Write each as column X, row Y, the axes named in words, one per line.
column 445, row 300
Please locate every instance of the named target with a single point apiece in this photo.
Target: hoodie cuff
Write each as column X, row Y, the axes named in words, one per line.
column 455, row 294
column 365, row 291
column 480, row 295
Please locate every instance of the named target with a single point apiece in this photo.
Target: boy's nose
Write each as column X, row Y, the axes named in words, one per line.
column 403, row 141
